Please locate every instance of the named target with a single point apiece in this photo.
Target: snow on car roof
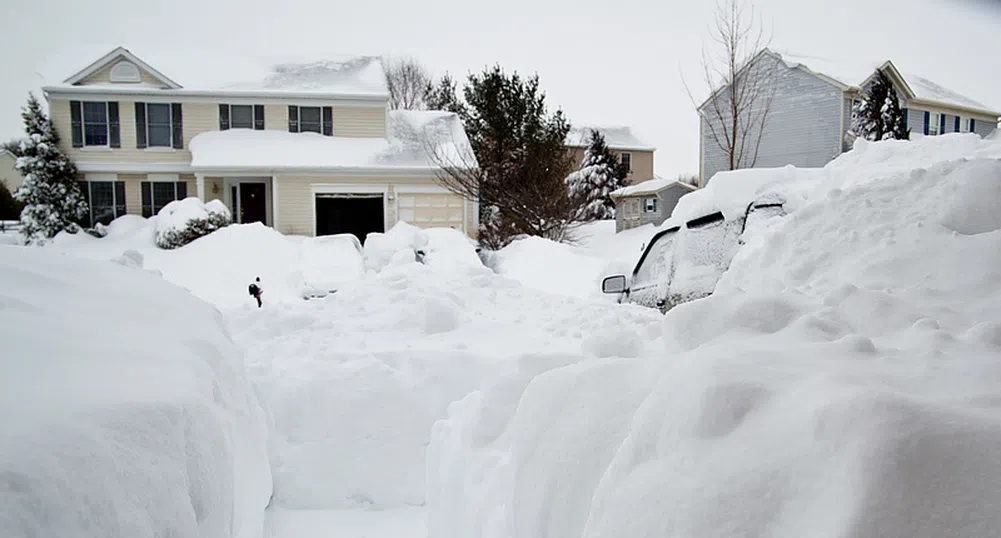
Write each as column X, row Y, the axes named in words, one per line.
column 415, row 139
column 201, row 68
column 616, row 137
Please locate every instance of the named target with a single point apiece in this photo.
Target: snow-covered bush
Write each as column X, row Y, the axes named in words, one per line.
column 182, row 221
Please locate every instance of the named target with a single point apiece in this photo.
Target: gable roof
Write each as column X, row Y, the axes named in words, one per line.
column 921, row 89
column 115, row 55
column 411, row 139
column 221, row 70
column 651, row 186
column 617, row 137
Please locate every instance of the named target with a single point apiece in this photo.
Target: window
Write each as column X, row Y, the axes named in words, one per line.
column 649, row 205
column 157, row 194
column 95, row 124
column 311, row 119
column 973, row 125
column 158, row 125
column 241, row 117
column 627, row 160
column 932, row 124
column 106, row 200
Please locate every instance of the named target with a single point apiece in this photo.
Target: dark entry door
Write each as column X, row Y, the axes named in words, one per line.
column 358, row 214
column 252, row 204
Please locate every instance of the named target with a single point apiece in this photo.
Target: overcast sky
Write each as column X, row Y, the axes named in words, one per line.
column 602, row 62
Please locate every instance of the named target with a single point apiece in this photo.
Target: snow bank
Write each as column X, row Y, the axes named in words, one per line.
column 841, row 381
column 405, row 243
column 126, row 408
column 552, row 267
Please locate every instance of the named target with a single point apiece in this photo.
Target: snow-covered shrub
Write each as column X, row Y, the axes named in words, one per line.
column 182, row 221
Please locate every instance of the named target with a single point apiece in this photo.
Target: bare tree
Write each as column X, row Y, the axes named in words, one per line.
column 407, row 80
column 741, row 80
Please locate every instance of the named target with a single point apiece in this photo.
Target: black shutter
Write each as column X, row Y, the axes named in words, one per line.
column 293, row 119
column 957, row 124
column 973, row 125
column 119, row 199
column 147, row 198
column 182, row 190
column 927, row 120
column 904, row 112
column 76, row 118
column 328, row 121
column 941, row 124
column 176, row 123
column 85, row 191
column 114, row 132
column 259, row 117
column 223, row 117
column 141, row 126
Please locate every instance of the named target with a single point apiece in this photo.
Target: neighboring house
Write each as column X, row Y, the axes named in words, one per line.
column 309, row 149
column 649, row 202
column 629, row 149
column 9, row 175
column 810, row 113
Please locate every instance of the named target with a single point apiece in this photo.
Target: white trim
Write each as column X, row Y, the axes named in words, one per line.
column 133, row 168
column 404, row 188
column 274, row 203
column 163, row 178
column 229, row 182
column 109, row 57
column 259, row 97
column 100, row 177
column 347, row 188
column 200, row 186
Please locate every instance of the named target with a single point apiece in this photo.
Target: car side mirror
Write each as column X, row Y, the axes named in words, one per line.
column 613, row 284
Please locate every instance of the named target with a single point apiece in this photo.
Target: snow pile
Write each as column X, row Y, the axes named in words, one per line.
column 126, row 408
column 841, row 381
column 356, row 380
column 182, row 221
column 218, row 267
column 405, row 243
column 552, row 267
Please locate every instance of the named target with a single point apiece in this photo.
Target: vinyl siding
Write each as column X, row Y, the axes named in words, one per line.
column 276, row 117
column 642, row 163
column 197, row 118
column 103, row 76
column 362, row 122
column 133, row 192
column 803, row 127
column 667, row 200
column 846, row 117
column 916, row 121
column 984, row 128
column 9, row 175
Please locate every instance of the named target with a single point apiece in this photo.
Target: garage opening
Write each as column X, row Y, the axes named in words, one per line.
column 358, row 214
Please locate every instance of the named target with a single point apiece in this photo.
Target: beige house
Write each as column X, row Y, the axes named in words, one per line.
column 629, row 149
column 309, row 149
column 9, row 175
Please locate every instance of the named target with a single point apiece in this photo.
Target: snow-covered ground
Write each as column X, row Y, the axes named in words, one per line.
column 842, row 381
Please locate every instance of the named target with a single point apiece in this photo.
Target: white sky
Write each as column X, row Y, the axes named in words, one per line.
column 602, row 62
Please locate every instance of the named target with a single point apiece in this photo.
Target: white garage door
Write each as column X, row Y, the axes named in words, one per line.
column 431, row 210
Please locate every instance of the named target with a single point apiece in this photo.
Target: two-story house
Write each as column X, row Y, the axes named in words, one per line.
column 810, row 110
column 309, row 149
column 629, row 149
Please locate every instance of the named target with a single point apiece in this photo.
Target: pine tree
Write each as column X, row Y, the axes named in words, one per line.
column 51, row 195
column 600, row 174
column 877, row 115
column 443, row 97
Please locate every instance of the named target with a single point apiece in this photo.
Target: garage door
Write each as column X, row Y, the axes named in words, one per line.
column 432, row 210
column 358, row 214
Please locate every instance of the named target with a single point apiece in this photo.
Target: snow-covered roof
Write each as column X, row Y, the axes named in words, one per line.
column 415, row 140
column 200, row 68
column 849, row 74
column 927, row 90
column 651, row 186
column 616, row 137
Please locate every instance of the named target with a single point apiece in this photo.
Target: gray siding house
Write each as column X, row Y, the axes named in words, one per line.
column 649, row 202
column 810, row 111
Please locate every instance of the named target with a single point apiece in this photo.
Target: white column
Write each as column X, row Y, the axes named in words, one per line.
column 200, row 186
column 274, row 203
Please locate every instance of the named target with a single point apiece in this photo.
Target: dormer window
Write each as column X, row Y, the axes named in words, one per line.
column 125, row 72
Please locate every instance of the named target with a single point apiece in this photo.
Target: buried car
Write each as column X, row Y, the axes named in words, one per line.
column 328, row 262
column 683, row 263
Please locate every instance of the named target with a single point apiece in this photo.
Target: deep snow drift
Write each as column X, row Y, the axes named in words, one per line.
column 842, row 381
column 126, row 409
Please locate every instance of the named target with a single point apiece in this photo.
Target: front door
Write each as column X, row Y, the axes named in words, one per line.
column 253, row 207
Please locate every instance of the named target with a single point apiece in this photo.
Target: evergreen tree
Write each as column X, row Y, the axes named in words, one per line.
column 877, row 115
column 442, row 96
column 51, row 195
column 600, row 174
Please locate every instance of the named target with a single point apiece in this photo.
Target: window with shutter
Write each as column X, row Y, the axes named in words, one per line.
column 973, row 125
column 956, row 125
column 259, row 117
column 95, row 123
column 328, row 121
column 76, row 119
column 158, row 125
column 941, row 124
column 120, row 208
column 147, row 198
column 114, row 132
column 223, row 117
column 241, row 116
column 293, row 119
column 310, row 119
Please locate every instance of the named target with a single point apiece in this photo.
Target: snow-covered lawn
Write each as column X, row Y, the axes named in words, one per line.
column 842, row 381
